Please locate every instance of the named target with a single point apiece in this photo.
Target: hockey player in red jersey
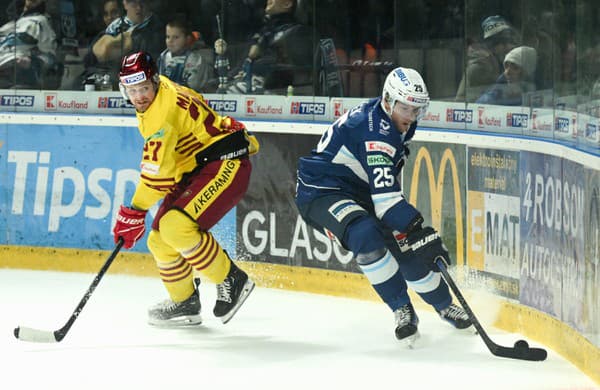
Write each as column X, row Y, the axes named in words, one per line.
column 197, row 163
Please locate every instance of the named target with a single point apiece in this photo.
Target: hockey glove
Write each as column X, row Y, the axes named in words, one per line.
column 231, row 125
column 427, row 245
column 131, row 225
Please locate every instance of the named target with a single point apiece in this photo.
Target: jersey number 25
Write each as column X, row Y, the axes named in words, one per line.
column 383, row 177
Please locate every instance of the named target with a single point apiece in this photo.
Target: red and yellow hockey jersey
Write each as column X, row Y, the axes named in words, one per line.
column 178, row 125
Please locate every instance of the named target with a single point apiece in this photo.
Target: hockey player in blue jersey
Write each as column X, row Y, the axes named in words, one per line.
column 349, row 188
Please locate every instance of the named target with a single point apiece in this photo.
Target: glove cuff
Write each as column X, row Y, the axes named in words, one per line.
column 132, row 213
column 415, row 224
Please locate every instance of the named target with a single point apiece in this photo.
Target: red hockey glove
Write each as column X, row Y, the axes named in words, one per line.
column 131, row 225
column 232, row 125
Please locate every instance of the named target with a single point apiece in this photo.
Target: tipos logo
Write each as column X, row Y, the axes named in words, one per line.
column 456, row 115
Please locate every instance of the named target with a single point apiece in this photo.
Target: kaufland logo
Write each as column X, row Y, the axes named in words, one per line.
column 431, row 117
column 223, row 105
column 108, row 102
column 338, row 108
column 517, row 120
column 16, row 100
column 250, row 103
column 53, row 102
column 307, row 108
column 541, row 123
column 484, row 120
column 458, row 115
column 50, row 102
column 252, row 108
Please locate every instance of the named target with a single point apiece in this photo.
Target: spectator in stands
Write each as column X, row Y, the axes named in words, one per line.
column 542, row 34
column 517, row 79
column 27, row 47
column 138, row 30
column 484, row 63
column 110, row 11
column 182, row 61
column 280, row 53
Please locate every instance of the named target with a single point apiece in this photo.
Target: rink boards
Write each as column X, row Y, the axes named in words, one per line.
column 521, row 216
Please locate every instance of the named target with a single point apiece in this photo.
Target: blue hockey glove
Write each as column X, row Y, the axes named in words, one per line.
column 426, row 244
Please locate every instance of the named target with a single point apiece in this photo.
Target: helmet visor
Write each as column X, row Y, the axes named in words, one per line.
column 409, row 111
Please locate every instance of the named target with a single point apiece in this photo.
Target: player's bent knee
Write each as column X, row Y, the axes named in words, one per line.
column 179, row 230
column 363, row 236
column 160, row 249
column 154, row 241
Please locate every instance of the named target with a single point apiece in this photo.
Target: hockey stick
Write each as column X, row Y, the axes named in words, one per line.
column 43, row 336
column 520, row 350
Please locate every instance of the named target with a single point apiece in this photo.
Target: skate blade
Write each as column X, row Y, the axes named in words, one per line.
column 248, row 287
column 411, row 341
column 178, row 322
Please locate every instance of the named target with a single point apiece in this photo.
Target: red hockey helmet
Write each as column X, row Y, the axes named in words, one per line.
column 137, row 68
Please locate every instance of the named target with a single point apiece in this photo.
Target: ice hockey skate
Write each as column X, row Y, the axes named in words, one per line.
column 232, row 293
column 406, row 325
column 169, row 314
column 455, row 316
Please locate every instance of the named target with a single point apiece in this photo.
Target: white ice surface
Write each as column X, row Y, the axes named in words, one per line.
column 278, row 340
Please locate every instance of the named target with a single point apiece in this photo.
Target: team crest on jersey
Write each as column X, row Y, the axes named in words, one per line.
column 378, row 146
column 384, row 127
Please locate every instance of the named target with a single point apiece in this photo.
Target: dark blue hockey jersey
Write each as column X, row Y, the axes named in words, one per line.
column 360, row 155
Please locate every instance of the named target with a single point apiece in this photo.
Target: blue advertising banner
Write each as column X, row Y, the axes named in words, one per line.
column 62, row 186
column 552, row 236
column 591, row 290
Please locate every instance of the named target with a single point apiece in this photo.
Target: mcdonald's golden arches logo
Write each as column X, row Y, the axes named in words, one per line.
column 436, row 192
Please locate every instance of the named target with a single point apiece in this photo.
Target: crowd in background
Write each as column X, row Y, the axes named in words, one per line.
column 510, row 52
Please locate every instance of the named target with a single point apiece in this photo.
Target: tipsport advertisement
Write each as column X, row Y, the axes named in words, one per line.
column 62, row 186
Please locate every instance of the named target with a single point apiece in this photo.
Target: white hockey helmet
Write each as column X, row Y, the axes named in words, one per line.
column 406, row 86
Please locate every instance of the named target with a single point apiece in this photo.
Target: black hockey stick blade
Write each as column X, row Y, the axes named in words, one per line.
column 520, row 350
column 45, row 336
